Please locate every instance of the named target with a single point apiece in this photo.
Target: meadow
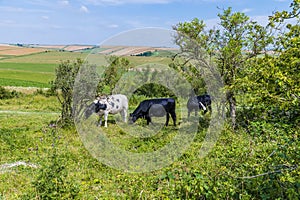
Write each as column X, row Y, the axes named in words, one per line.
column 37, row 70
column 252, row 163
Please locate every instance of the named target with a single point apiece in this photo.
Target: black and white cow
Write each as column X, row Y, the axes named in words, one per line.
column 155, row 108
column 111, row 104
column 196, row 103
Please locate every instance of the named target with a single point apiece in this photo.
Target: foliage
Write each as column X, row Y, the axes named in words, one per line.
column 272, row 82
column 5, row 94
column 51, row 181
column 153, row 90
column 229, row 47
column 148, row 84
column 116, row 68
column 65, row 74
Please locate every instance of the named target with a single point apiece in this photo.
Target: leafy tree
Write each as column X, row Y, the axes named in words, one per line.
column 275, row 79
column 237, row 40
column 116, row 68
column 65, row 75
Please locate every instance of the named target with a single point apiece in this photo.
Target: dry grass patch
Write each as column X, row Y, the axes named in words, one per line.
column 77, row 47
column 19, row 51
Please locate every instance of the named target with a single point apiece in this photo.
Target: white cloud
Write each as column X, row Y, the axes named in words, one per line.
column 84, row 9
column 113, row 26
column 246, row 10
column 120, row 2
column 11, row 9
column 64, row 2
column 45, row 17
column 19, row 9
column 6, row 22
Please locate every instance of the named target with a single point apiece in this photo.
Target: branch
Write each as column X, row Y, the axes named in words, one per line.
column 291, row 168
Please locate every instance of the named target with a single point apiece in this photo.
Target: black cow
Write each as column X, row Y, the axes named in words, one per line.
column 199, row 102
column 155, row 108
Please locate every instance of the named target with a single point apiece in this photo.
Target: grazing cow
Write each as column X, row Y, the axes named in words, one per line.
column 155, row 108
column 112, row 104
column 199, row 102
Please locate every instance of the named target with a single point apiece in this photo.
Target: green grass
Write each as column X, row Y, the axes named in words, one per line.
column 22, row 83
column 31, row 103
column 25, row 135
column 31, row 67
column 25, row 78
column 26, row 74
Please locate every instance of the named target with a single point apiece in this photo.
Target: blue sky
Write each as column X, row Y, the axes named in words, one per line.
column 94, row 21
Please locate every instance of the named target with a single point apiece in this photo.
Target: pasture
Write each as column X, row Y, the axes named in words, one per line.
column 37, row 70
column 241, row 165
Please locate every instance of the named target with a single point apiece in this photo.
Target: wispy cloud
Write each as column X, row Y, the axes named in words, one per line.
column 19, row 9
column 45, row 17
column 84, row 9
column 113, row 26
column 64, row 2
column 121, row 2
column 246, row 10
column 6, row 22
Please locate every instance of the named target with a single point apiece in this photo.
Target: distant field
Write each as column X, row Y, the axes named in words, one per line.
column 77, row 47
column 6, row 50
column 37, row 70
column 135, row 50
column 46, row 57
column 25, row 78
column 64, row 47
column 26, row 74
column 22, row 83
column 140, row 60
column 32, row 67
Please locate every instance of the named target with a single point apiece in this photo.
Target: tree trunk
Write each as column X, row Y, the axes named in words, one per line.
column 232, row 108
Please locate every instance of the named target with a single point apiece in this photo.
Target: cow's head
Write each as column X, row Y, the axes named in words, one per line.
column 99, row 106
column 132, row 118
column 94, row 107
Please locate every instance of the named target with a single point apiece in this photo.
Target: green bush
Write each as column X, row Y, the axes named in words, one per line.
column 52, row 181
column 5, row 94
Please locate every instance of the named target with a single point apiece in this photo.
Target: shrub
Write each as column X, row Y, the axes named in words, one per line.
column 5, row 94
column 51, row 181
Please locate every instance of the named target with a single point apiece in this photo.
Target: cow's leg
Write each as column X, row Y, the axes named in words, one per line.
column 209, row 108
column 148, row 120
column 100, row 121
column 189, row 113
column 105, row 118
column 173, row 115
column 167, row 118
column 124, row 114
